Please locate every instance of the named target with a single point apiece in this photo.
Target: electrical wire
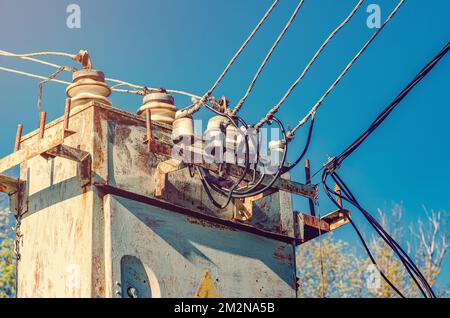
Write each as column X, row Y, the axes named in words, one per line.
column 386, row 112
column 10, row 54
column 409, row 265
column 196, row 107
column 29, row 55
column 41, row 84
column 305, row 148
column 275, row 109
column 10, row 70
column 336, row 162
column 344, row 72
column 137, row 91
column 403, row 256
column 275, row 177
column 266, row 59
column 358, row 232
column 82, row 57
column 204, row 176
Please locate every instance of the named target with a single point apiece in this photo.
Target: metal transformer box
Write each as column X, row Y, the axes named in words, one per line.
column 94, row 221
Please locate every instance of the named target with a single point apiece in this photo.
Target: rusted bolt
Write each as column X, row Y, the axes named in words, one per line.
column 18, row 137
column 43, row 116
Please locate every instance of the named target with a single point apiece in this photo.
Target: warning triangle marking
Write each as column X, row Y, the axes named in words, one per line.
column 206, row 288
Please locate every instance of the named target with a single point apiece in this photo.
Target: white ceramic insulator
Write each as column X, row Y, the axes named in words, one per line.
column 215, row 122
column 276, row 145
column 241, row 135
column 88, row 85
column 182, row 127
column 232, row 134
column 161, row 106
column 214, row 133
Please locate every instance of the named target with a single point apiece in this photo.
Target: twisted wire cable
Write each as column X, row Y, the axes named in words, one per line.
column 264, row 62
column 349, row 65
column 275, row 109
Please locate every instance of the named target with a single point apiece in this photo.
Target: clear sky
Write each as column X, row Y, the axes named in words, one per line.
column 185, row 44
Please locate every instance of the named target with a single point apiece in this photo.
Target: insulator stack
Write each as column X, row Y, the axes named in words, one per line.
column 231, row 138
column 161, row 105
column 88, row 85
column 276, row 151
column 232, row 134
column 214, row 134
column 276, row 145
column 182, row 127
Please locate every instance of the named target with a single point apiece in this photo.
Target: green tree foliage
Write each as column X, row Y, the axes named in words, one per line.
column 329, row 267
column 7, row 256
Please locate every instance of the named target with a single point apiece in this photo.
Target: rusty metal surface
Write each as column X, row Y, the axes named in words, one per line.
column 9, row 185
column 283, row 184
column 132, row 168
column 77, row 155
column 177, row 250
column 308, row 227
column 240, row 226
column 18, row 137
column 61, row 250
column 72, row 243
column 26, row 153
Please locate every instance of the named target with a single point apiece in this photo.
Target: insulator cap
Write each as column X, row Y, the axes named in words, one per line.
column 276, row 145
column 88, row 85
column 162, row 107
column 182, row 127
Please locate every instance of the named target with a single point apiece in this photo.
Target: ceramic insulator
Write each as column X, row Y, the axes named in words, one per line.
column 88, row 85
column 161, row 106
column 182, row 127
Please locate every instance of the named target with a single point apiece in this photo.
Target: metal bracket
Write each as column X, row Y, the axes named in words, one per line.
column 77, row 155
column 308, row 227
column 306, row 190
column 243, row 208
column 26, row 153
column 10, row 185
column 14, row 188
column 337, row 218
column 162, row 171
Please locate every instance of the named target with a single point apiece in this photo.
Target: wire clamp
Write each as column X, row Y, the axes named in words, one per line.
column 331, row 165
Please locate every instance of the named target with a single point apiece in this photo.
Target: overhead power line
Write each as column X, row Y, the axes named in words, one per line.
column 339, row 78
column 275, row 109
column 266, row 59
column 387, row 111
column 21, row 56
column 29, row 55
column 332, row 165
column 137, row 88
column 10, row 70
column 196, row 107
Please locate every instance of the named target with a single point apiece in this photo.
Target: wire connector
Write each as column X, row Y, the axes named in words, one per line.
column 331, row 165
column 84, row 59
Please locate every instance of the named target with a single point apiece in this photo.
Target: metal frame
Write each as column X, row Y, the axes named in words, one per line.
column 164, row 168
column 77, row 155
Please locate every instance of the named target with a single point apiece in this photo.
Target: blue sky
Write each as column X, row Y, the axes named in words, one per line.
column 185, row 44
